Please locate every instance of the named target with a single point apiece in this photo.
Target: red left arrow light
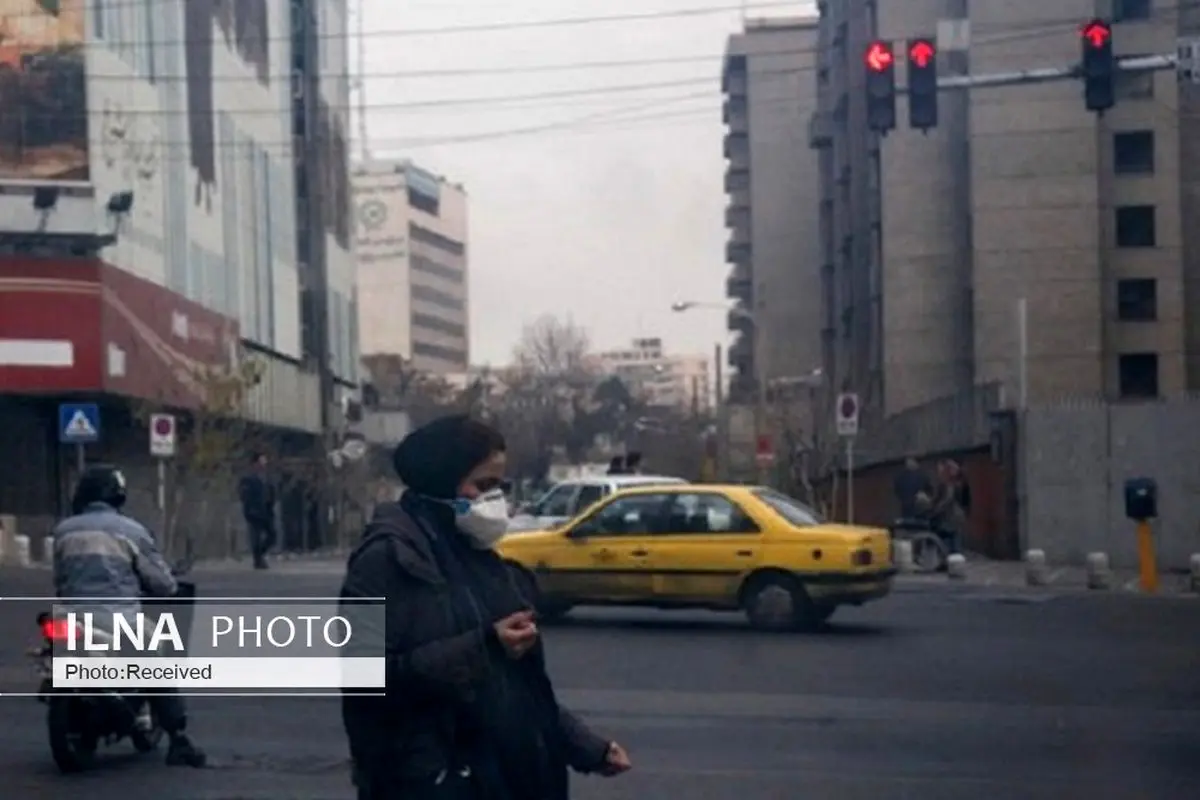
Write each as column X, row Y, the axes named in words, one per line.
column 880, row 57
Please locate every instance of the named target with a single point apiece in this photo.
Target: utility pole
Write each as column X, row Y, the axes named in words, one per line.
column 311, row 162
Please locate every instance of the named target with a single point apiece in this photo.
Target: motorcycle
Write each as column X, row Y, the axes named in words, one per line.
column 929, row 549
column 80, row 720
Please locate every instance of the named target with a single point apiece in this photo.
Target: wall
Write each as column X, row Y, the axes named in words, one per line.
column 196, row 125
column 1074, row 460
column 926, row 233
column 334, row 136
column 382, row 249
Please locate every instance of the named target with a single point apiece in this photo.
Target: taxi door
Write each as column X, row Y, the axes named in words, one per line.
column 606, row 557
column 708, row 546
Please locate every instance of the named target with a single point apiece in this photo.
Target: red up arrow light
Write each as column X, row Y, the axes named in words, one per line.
column 1097, row 33
column 921, row 53
column 879, row 57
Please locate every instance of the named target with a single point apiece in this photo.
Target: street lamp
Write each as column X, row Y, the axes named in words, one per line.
column 758, row 345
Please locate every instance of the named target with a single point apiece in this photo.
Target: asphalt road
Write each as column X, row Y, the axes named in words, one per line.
column 934, row 693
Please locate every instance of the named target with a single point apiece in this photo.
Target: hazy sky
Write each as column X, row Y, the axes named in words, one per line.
column 606, row 221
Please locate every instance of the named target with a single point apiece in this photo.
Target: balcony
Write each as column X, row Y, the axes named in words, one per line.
column 820, row 131
column 737, row 179
column 737, row 252
column 736, row 147
column 733, row 75
column 737, row 217
column 738, row 319
column 741, row 353
column 739, row 285
column 739, row 234
column 739, row 198
column 735, row 115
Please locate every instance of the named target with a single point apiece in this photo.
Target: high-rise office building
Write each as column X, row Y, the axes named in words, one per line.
column 412, row 266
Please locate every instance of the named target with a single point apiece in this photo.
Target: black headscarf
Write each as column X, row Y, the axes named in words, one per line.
column 434, row 459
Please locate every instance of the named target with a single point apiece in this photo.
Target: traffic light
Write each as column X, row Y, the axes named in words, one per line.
column 881, row 87
column 922, row 84
column 1099, row 65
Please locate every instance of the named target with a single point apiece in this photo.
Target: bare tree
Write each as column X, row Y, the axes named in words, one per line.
column 214, row 441
column 550, row 346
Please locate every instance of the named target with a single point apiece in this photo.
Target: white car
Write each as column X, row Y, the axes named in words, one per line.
column 565, row 500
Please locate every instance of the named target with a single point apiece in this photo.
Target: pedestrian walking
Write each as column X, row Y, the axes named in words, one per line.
column 913, row 490
column 470, row 712
column 949, row 515
column 258, row 497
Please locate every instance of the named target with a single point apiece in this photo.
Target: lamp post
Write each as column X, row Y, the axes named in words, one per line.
column 758, row 346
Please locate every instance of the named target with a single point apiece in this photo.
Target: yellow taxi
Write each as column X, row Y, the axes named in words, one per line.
column 707, row 546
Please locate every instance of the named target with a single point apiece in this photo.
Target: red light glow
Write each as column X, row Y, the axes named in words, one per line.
column 880, row 57
column 1097, row 34
column 56, row 630
column 921, row 53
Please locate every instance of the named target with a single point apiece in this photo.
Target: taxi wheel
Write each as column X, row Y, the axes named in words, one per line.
column 780, row 603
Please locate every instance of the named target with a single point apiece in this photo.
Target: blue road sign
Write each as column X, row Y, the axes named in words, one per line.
column 78, row 423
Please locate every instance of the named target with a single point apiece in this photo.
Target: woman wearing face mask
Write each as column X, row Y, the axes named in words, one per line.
column 470, row 713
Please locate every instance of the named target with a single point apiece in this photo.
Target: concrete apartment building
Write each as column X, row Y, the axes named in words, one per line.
column 412, row 253
column 1019, row 197
column 773, row 185
column 676, row 381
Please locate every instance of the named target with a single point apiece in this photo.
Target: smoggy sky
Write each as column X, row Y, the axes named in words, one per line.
column 606, row 221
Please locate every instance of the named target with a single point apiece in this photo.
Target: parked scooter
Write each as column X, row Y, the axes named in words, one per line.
column 79, row 720
column 929, row 549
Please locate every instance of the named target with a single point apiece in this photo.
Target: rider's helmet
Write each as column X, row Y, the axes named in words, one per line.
column 100, row 483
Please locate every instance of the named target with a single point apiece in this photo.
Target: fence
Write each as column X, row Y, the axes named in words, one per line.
column 1074, row 459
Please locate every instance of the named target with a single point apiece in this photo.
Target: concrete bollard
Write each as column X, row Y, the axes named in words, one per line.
column 902, row 556
column 1036, row 572
column 956, row 566
column 1099, row 575
column 1195, row 572
column 21, row 555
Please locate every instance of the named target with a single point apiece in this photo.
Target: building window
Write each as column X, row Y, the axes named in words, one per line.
column 1132, row 10
column 432, row 323
column 420, row 234
column 441, row 353
column 1137, row 300
column 1133, row 152
column 437, row 298
column 1135, row 226
column 1138, row 375
column 431, row 267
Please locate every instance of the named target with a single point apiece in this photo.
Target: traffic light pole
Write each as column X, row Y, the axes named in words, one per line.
column 1048, row 74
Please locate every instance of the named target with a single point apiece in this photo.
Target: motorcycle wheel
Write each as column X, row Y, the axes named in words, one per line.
column 147, row 741
column 72, row 746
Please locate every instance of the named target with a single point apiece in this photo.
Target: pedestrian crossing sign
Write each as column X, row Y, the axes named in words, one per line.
column 78, row 423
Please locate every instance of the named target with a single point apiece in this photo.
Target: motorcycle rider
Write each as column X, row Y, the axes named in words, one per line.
column 101, row 553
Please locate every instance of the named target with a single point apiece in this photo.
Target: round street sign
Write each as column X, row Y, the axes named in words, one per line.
column 163, row 426
column 848, row 407
column 162, row 436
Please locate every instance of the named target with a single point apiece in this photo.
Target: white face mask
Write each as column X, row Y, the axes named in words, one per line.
column 484, row 520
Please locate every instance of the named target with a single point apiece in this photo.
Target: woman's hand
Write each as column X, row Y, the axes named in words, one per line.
column 616, row 761
column 517, row 633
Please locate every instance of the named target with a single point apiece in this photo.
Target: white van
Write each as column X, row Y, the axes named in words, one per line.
column 565, row 500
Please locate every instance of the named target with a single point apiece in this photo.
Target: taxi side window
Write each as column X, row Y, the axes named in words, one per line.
column 557, row 503
column 626, row 516
column 589, row 494
column 707, row 513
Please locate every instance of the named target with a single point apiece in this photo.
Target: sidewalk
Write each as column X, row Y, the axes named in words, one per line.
column 1011, row 575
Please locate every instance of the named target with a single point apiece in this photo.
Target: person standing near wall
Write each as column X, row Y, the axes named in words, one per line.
column 258, row 497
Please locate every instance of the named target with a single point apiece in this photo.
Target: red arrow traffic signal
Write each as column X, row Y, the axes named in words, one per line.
column 1097, row 33
column 921, row 53
column 879, row 57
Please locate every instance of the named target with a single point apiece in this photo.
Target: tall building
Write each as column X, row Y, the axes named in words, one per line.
column 772, row 183
column 676, row 381
column 1020, row 198
column 412, row 266
column 149, row 231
